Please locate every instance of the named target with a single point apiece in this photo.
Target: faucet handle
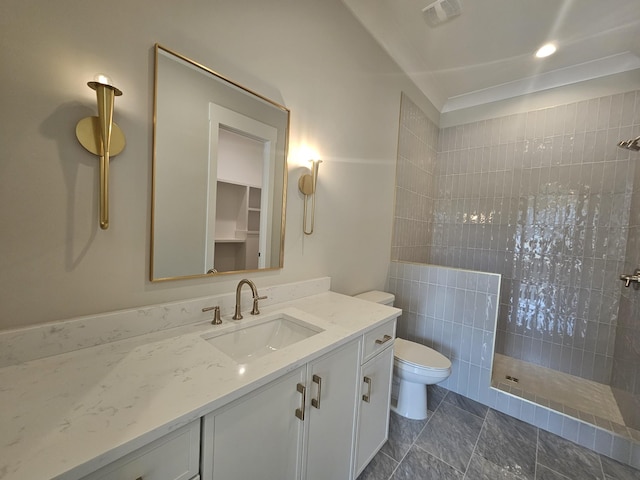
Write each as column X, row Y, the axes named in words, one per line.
column 216, row 314
column 255, row 310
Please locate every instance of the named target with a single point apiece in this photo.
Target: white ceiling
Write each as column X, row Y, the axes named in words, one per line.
column 487, row 53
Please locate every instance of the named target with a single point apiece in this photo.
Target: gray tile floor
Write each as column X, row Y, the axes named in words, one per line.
column 462, row 439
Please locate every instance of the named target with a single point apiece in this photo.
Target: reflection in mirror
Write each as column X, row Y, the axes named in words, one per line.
column 219, row 173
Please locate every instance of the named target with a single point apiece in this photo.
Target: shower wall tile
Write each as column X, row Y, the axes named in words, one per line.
column 544, row 198
column 465, row 336
column 625, row 380
column 415, row 176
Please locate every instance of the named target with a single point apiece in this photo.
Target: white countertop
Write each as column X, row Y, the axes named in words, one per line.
column 67, row 415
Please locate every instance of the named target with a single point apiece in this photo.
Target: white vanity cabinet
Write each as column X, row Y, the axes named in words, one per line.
column 300, row 426
column 292, row 414
column 176, row 456
column 332, row 414
column 375, row 393
column 257, row 436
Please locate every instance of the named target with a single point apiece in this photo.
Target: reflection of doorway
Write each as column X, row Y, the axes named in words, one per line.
column 238, row 202
column 241, row 169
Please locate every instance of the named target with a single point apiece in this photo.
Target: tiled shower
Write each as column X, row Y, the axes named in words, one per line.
column 545, row 199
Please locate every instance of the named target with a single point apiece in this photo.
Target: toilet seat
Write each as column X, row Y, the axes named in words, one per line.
column 415, row 355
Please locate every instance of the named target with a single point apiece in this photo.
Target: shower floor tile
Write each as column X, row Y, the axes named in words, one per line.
column 574, row 393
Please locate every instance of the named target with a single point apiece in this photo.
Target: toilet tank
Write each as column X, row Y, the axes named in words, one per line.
column 377, row 297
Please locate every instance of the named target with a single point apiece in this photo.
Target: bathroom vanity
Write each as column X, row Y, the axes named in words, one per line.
column 197, row 401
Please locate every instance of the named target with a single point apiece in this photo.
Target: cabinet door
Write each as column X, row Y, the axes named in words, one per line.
column 333, row 386
column 257, row 437
column 373, row 423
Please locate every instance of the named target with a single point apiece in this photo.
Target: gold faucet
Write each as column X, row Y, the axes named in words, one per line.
column 254, row 291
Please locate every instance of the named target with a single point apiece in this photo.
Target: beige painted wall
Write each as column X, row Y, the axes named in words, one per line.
column 312, row 56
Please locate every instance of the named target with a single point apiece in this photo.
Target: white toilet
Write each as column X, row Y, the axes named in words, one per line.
column 415, row 366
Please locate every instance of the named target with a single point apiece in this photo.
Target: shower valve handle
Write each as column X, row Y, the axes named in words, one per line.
column 635, row 278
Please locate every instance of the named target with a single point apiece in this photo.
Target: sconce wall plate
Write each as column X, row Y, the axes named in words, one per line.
column 88, row 134
column 305, row 184
column 100, row 136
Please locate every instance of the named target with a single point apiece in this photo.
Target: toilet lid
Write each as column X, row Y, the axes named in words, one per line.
column 419, row 355
column 377, row 297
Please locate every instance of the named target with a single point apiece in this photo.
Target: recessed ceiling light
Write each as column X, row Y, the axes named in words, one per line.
column 546, row 50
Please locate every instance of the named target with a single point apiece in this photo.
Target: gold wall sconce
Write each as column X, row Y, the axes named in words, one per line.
column 307, row 185
column 102, row 137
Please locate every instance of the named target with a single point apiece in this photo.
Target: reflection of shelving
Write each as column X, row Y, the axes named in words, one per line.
column 254, row 197
column 253, row 220
column 251, row 251
column 253, row 224
column 231, row 211
column 237, row 226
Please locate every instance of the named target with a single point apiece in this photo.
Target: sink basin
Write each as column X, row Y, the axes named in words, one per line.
column 255, row 341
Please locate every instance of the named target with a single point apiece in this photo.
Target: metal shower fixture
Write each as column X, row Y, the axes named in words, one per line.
column 633, row 145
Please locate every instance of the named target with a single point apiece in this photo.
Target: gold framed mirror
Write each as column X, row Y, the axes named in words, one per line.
column 219, row 175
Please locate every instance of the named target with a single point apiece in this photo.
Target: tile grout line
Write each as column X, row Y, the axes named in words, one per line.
column 394, row 468
column 437, row 456
column 467, row 411
column 535, row 465
column 475, row 446
column 554, row 470
column 604, row 477
column 414, row 440
column 429, row 417
column 439, row 459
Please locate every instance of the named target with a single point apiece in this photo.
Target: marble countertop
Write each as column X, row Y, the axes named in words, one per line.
column 67, row 415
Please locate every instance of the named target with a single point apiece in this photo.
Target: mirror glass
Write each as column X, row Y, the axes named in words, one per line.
column 219, row 173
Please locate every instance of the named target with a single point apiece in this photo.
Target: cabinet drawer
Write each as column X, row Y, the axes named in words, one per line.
column 378, row 339
column 176, row 456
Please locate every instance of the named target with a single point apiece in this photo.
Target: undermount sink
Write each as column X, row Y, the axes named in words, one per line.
column 254, row 341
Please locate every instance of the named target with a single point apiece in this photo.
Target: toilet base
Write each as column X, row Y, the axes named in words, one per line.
column 412, row 400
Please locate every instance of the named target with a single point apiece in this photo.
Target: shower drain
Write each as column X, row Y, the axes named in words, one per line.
column 512, row 379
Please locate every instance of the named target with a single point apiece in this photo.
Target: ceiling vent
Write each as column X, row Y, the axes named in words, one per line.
column 440, row 11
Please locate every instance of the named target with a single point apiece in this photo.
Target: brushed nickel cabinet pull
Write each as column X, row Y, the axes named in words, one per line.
column 385, row 339
column 315, row 402
column 300, row 411
column 367, row 397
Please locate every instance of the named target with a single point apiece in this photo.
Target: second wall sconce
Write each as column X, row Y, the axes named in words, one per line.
column 307, row 185
column 102, row 137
